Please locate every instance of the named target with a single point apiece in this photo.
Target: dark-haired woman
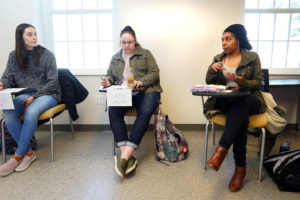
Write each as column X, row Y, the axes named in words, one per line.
column 235, row 67
column 29, row 66
column 146, row 74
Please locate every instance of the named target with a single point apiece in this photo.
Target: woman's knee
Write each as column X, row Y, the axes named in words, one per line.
column 32, row 114
column 9, row 115
column 116, row 112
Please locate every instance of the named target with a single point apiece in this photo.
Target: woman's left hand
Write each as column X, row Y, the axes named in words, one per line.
column 138, row 84
column 238, row 79
column 28, row 101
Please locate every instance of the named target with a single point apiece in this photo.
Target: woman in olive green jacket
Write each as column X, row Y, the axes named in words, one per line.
column 132, row 57
column 237, row 68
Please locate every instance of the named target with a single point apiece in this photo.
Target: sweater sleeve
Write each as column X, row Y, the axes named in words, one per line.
column 50, row 75
column 8, row 79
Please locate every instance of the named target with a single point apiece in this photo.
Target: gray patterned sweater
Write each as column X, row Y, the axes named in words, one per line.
column 43, row 78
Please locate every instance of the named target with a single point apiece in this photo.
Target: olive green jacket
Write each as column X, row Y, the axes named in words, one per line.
column 144, row 66
column 250, row 65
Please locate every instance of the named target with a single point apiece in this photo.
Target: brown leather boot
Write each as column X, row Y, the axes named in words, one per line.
column 217, row 158
column 237, row 179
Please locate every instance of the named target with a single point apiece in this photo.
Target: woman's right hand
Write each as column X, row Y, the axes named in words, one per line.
column 1, row 86
column 105, row 82
column 217, row 66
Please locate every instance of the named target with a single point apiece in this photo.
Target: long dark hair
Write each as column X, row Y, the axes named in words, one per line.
column 130, row 31
column 20, row 50
column 239, row 31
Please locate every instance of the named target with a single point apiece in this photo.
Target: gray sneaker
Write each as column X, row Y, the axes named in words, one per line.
column 9, row 167
column 120, row 165
column 132, row 164
column 26, row 161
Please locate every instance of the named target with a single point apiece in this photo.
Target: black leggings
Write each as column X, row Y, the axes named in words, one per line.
column 237, row 111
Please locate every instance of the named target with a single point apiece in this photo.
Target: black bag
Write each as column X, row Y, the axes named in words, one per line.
column 10, row 144
column 284, row 168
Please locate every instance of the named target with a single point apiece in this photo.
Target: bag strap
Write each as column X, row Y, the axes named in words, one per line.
column 162, row 162
column 287, row 160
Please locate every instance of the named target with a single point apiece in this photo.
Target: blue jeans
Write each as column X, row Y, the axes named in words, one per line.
column 22, row 133
column 145, row 105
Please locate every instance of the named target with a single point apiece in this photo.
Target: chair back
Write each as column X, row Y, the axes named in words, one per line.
column 265, row 80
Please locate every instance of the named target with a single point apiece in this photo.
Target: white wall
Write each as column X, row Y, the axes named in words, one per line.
column 182, row 35
column 12, row 13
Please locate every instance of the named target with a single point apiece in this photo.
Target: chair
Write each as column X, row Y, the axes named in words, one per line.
column 47, row 115
column 255, row 121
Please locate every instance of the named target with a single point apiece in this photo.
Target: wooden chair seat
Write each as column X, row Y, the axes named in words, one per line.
column 255, row 121
column 50, row 113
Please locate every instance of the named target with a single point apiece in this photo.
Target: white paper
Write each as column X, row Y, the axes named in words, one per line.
column 119, row 96
column 6, row 102
column 11, row 90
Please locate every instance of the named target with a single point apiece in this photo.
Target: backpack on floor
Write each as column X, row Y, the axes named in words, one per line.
column 170, row 143
column 10, row 144
column 284, row 168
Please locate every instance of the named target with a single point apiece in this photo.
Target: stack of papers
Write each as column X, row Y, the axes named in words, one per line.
column 117, row 87
column 208, row 88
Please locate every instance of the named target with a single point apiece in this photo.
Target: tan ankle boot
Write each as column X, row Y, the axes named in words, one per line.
column 237, row 179
column 217, row 158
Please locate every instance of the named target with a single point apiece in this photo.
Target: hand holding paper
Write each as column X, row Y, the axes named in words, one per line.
column 105, row 82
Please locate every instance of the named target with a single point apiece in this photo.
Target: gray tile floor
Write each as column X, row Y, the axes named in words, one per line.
column 84, row 169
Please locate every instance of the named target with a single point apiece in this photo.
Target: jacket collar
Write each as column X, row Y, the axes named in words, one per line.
column 246, row 57
column 138, row 52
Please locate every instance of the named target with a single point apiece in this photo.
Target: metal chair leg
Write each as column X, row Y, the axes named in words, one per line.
column 114, row 146
column 72, row 127
column 3, row 143
column 213, row 135
column 51, row 140
column 261, row 156
column 205, row 145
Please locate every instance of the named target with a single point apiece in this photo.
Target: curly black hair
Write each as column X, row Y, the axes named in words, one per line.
column 239, row 31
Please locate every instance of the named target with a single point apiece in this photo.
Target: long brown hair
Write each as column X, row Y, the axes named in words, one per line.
column 20, row 50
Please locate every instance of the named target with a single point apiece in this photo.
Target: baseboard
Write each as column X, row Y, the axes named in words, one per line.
column 106, row 127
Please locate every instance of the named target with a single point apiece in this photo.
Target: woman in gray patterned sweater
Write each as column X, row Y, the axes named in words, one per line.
column 29, row 66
